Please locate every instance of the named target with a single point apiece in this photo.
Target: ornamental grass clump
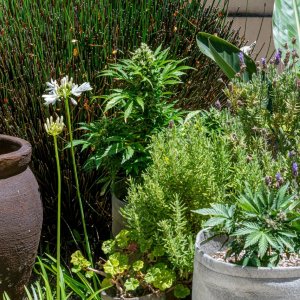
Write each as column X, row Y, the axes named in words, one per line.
column 261, row 227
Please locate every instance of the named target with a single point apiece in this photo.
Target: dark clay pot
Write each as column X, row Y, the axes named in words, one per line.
column 21, row 216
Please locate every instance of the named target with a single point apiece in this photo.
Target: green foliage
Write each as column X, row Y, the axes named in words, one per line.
column 268, row 105
column 261, row 226
column 79, row 263
column 79, row 39
column 71, row 288
column 160, row 276
column 131, row 284
column 286, row 24
column 225, row 55
column 129, row 271
column 205, row 160
column 181, row 291
column 140, row 108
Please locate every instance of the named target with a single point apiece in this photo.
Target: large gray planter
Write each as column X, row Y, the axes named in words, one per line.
column 118, row 222
column 217, row 280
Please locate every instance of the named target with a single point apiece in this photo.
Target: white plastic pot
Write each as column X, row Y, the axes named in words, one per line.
column 217, row 280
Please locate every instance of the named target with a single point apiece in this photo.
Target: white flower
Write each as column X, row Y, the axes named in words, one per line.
column 50, row 98
column 54, row 128
column 65, row 90
column 248, row 49
column 77, row 90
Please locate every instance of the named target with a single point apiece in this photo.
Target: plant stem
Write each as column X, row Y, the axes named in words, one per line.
column 58, row 218
column 87, row 244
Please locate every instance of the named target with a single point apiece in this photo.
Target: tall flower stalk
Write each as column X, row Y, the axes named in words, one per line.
column 66, row 91
column 78, row 194
column 54, row 129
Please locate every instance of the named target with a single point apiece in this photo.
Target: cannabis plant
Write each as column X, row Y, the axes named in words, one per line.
column 261, row 226
column 136, row 109
column 131, row 270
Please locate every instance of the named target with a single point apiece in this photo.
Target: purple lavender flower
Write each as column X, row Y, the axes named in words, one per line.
column 241, row 57
column 277, row 57
column 268, row 180
column 218, row 105
column 279, row 180
column 291, row 154
column 171, row 124
column 278, row 176
column 295, row 169
column 264, row 63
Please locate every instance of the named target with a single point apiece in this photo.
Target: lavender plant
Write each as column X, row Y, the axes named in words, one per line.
column 268, row 105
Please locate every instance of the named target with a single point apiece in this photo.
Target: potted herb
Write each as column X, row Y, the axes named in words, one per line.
column 130, row 270
column 137, row 107
column 250, row 250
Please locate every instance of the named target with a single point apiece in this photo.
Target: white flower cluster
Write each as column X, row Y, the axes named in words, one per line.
column 54, row 128
column 66, row 89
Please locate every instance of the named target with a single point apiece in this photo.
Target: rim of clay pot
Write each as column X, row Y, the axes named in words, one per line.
column 202, row 256
column 15, row 155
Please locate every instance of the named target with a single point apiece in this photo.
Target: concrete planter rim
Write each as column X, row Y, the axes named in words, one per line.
column 17, row 157
column 239, row 271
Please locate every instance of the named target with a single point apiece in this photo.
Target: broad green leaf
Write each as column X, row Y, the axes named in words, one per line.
column 128, row 153
column 252, row 239
column 138, row 265
column 131, row 284
column 128, row 110
column 225, row 55
column 140, row 102
column 181, row 291
column 229, row 69
column 262, row 245
column 286, row 242
column 214, row 221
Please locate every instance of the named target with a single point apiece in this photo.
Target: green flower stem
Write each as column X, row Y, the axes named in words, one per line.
column 87, row 244
column 58, row 218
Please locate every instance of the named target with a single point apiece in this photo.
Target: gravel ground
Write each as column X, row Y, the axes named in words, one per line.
column 292, row 261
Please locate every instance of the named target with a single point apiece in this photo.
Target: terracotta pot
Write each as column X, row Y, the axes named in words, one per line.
column 21, row 216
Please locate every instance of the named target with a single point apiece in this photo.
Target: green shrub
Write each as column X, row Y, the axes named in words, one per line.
column 205, row 161
column 79, row 38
